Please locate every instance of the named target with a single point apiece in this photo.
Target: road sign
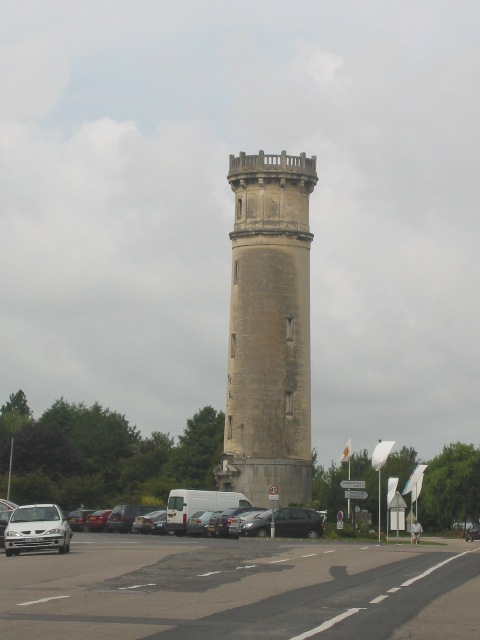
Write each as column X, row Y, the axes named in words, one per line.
column 273, row 490
column 340, row 516
column 273, row 497
column 356, row 495
column 352, row 484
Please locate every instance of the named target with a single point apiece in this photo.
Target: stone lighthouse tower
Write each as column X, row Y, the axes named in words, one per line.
column 267, row 419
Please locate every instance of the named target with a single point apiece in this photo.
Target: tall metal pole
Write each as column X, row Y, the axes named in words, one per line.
column 349, row 498
column 10, row 470
column 379, row 505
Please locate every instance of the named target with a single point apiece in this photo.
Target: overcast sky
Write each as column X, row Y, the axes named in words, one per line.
column 116, row 122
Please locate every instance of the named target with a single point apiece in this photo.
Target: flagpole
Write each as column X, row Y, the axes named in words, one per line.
column 348, row 508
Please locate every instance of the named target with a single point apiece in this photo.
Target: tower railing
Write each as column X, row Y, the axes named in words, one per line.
column 276, row 162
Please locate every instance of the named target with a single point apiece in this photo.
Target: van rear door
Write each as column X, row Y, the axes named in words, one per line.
column 176, row 514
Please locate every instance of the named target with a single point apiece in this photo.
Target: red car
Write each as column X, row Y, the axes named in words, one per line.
column 97, row 521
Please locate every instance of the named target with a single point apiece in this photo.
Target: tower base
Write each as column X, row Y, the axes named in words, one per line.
column 253, row 477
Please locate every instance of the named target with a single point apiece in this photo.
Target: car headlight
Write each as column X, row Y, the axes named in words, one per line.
column 13, row 534
column 248, row 525
column 54, row 532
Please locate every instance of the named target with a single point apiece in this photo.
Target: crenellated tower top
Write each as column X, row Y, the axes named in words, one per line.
column 273, row 164
column 271, row 192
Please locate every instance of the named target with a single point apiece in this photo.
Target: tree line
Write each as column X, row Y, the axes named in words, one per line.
column 75, row 454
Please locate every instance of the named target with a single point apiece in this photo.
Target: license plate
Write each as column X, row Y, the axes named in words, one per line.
column 33, row 539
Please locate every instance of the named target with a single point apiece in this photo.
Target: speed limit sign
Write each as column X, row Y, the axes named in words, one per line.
column 273, row 490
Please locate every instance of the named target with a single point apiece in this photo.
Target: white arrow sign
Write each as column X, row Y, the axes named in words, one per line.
column 352, row 484
column 356, row 495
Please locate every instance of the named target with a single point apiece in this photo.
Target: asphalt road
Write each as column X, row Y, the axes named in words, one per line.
column 144, row 587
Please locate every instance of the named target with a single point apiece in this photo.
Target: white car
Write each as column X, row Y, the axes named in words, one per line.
column 37, row 527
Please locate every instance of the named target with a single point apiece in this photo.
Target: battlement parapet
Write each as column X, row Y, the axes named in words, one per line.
column 266, row 162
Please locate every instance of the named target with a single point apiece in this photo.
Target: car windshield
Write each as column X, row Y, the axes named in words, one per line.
column 34, row 514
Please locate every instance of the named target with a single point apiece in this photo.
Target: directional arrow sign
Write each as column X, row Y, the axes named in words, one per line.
column 356, row 495
column 352, row 484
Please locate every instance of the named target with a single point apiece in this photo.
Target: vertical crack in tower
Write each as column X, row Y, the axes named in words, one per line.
column 268, row 410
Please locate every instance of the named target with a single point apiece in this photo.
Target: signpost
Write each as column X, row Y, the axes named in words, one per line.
column 273, row 494
column 352, row 492
column 356, row 495
column 352, row 484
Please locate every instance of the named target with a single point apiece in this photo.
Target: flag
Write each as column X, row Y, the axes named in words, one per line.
column 415, row 478
column 381, row 453
column 347, row 452
column 392, row 488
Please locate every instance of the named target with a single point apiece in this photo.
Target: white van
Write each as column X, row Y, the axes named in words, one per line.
column 183, row 503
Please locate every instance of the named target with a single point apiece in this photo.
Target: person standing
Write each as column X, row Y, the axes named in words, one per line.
column 416, row 531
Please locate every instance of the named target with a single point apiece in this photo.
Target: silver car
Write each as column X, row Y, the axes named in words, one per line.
column 37, row 527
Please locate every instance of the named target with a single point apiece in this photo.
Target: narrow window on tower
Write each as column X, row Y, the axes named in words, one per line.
column 289, row 328
column 239, row 208
column 289, row 403
column 230, row 427
column 233, row 344
column 236, row 269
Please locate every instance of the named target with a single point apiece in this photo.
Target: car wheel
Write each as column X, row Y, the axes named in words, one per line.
column 67, row 548
column 63, row 548
column 262, row 533
column 312, row 534
column 8, row 553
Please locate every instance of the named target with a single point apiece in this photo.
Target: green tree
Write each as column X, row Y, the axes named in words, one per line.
column 43, row 449
column 14, row 415
column 103, row 438
column 148, row 460
column 191, row 463
column 451, row 487
column 34, row 487
column 17, row 402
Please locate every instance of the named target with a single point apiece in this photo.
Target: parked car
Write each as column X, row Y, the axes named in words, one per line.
column 228, row 518
column 139, row 525
column 289, row 522
column 37, row 527
column 6, row 509
column 212, row 524
column 123, row 516
column 78, row 519
column 151, row 518
column 97, row 521
column 236, row 521
column 473, row 533
column 159, row 527
column 197, row 525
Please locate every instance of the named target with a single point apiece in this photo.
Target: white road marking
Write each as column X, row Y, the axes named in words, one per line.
column 210, row 573
column 25, row 604
column 331, row 551
column 247, row 566
column 277, row 561
column 327, row 625
column 362, row 548
column 310, row 555
column 394, row 590
column 432, row 569
column 378, row 599
column 138, row 586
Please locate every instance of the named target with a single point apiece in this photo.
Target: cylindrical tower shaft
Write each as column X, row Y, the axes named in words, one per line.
column 267, row 421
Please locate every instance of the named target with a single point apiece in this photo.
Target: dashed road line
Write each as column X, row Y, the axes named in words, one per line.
column 138, row 586
column 327, row 624
column 25, row 604
column 378, row 599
